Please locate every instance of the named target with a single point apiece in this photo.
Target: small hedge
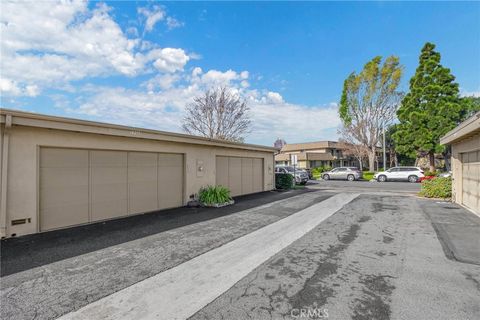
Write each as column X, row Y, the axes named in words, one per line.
column 437, row 188
column 317, row 171
column 368, row 175
column 211, row 195
column 283, row 181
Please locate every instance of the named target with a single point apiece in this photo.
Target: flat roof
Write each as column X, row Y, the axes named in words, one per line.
column 464, row 130
column 22, row 118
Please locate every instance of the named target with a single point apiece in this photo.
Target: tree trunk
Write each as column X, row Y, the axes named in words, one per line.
column 371, row 160
column 431, row 158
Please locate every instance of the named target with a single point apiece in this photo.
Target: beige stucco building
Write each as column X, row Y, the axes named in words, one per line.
column 315, row 154
column 58, row 172
column 465, row 143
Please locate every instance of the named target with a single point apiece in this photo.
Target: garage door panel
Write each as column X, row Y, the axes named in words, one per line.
column 142, row 182
column 63, row 188
column 247, row 175
column 170, row 180
column 221, row 171
column 81, row 186
column 108, row 184
column 235, row 176
column 471, row 180
column 257, row 175
column 240, row 175
column 63, row 158
column 170, row 160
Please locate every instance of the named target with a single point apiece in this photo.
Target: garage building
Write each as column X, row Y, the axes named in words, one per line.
column 59, row 172
column 465, row 143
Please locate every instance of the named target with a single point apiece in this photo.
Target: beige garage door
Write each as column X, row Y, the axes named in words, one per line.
column 240, row 175
column 471, row 180
column 81, row 186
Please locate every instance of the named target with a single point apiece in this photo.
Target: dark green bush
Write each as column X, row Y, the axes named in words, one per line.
column 214, row 195
column 283, row 181
column 437, row 188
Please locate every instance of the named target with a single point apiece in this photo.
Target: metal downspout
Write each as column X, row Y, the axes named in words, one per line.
column 4, row 176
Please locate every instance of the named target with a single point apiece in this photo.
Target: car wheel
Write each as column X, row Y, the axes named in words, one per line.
column 351, row 177
column 326, row 177
column 412, row 179
column 382, row 178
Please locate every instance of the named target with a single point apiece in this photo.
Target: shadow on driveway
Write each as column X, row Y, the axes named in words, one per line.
column 30, row 251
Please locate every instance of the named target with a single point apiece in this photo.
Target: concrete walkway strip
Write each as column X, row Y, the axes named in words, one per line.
column 180, row 292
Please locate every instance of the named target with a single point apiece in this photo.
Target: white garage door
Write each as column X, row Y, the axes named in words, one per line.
column 471, row 180
column 240, row 175
column 81, row 186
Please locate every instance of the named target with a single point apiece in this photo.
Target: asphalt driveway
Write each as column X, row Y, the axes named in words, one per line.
column 383, row 255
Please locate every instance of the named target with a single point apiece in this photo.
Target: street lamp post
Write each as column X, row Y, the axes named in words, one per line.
column 384, row 150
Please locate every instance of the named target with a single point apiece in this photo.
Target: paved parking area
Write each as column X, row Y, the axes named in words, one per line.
column 384, row 255
column 377, row 258
column 50, row 290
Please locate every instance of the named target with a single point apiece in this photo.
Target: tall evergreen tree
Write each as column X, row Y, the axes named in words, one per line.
column 429, row 110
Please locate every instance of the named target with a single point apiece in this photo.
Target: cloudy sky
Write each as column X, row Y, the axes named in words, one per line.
column 139, row 63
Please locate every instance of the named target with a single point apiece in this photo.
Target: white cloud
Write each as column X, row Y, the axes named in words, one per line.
column 50, row 45
column 163, row 109
column 169, row 59
column 157, row 14
column 152, row 16
column 162, row 81
column 173, row 23
column 274, row 97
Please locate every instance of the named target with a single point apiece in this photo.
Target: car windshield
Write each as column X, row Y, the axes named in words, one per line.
column 289, row 169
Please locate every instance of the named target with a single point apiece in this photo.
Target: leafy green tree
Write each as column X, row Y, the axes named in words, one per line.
column 470, row 106
column 431, row 108
column 369, row 101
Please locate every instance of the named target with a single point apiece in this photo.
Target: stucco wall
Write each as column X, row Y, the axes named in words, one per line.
column 23, row 157
column 469, row 144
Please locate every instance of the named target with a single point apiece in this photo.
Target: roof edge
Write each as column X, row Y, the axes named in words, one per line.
column 48, row 121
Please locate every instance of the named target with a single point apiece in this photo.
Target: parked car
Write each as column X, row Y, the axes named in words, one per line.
column 300, row 175
column 343, row 173
column 447, row 174
column 411, row 174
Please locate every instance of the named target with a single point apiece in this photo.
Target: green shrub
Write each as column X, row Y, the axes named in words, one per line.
column 214, row 195
column 283, row 181
column 430, row 173
column 437, row 188
column 317, row 171
column 368, row 175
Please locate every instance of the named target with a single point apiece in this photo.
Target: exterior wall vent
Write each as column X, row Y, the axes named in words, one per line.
column 18, row 221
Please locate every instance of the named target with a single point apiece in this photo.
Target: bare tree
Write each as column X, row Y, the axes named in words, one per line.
column 352, row 148
column 369, row 102
column 218, row 114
